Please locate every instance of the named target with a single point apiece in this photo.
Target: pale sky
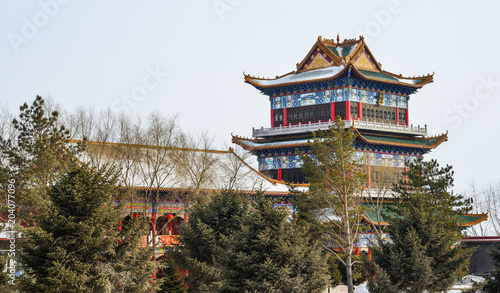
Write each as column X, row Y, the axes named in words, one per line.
column 188, row 57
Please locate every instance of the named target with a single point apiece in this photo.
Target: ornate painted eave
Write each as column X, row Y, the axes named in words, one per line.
column 335, row 72
column 427, row 143
column 253, row 144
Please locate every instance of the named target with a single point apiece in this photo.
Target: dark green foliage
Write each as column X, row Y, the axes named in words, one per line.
column 493, row 282
column 357, row 270
column 3, row 275
column 173, row 282
column 212, row 225
column 270, row 254
column 425, row 253
column 338, row 272
column 77, row 245
column 36, row 156
column 248, row 248
column 334, row 268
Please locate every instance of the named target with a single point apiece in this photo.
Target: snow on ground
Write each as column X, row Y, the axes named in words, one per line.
column 457, row 287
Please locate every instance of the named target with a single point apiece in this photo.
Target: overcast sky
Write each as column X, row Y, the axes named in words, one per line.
column 188, row 57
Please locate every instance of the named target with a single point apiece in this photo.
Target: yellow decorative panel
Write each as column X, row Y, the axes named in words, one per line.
column 364, row 62
column 318, row 62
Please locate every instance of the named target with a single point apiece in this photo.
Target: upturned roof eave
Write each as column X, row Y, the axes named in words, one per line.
column 253, row 80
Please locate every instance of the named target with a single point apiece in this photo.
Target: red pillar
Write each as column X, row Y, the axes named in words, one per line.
column 272, row 117
column 348, row 110
column 356, row 251
column 279, row 174
column 170, row 217
column 285, row 117
column 186, row 218
column 407, row 118
column 359, row 111
column 333, row 110
column 397, row 115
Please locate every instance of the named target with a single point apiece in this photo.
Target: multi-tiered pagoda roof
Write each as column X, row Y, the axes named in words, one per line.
column 338, row 79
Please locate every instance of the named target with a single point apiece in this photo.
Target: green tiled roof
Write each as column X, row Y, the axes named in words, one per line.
column 371, row 213
column 334, row 50
column 387, row 210
column 378, row 75
column 346, row 50
column 421, row 142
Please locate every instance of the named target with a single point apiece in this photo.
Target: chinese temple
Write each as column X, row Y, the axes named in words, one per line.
column 339, row 79
column 342, row 79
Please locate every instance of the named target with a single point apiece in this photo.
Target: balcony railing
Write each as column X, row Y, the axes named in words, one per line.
column 307, row 127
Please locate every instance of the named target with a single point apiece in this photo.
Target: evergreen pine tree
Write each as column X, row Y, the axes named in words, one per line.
column 425, row 253
column 206, row 238
column 36, row 156
column 493, row 283
column 335, row 192
column 272, row 254
column 173, row 281
column 247, row 248
column 77, row 245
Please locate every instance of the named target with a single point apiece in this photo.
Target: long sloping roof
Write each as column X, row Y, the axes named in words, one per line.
column 227, row 166
column 255, row 144
column 328, row 60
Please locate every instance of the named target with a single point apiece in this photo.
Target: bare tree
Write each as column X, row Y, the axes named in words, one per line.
column 481, row 203
column 237, row 171
column 198, row 163
column 378, row 191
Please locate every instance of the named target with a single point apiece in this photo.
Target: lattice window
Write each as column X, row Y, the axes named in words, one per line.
column 340, row 110
column 354, row 111
column 309, row 113
column 271, row 174
column 402, row 116
column 378, row 113
column 278, row 117
column 384, row 177
column 293, row 175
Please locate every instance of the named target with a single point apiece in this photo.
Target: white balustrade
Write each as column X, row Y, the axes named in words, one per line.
column 372, row 125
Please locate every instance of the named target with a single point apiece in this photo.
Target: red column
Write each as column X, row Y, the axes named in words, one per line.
column 407, row 118
column 279, row 174
column 348, row 110
column 333, row 110
column 186, row 217
column 285, row 117
column 359, row 111
column 170, row 217
column 272, row 117
column 397, row 115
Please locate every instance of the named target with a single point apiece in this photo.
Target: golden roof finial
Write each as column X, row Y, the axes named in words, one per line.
column 338, row 38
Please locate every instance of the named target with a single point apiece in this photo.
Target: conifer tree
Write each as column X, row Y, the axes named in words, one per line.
column 248, row 248
column 36, row 154
column 335, row 190
column 271, row 254
column 78, row 246
column 493, row 282
column 212, row 224
column 173, row 281
column 425, row 251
